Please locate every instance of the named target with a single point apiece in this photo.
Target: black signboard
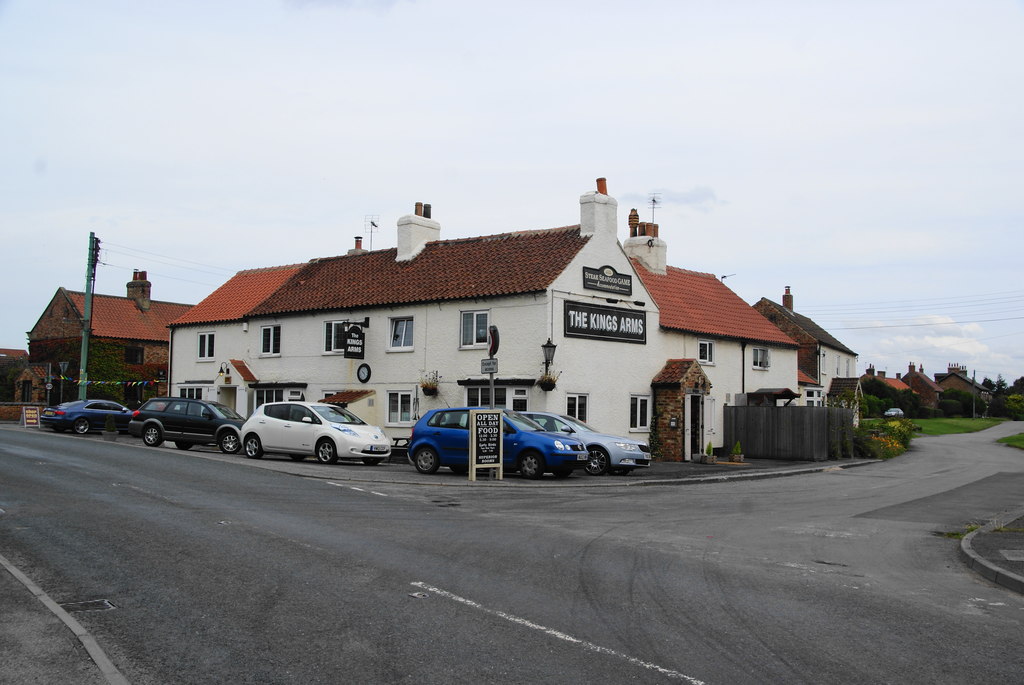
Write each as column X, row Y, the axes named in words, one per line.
column 608, row 280
column 487, row 434
column 605, row 323
column 355, row 343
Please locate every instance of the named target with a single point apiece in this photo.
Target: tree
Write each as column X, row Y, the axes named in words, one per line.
column 1015, row 407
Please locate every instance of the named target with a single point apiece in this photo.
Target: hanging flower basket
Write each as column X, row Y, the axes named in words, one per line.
column 429, row 390
column 428, row 384
column 547, row 382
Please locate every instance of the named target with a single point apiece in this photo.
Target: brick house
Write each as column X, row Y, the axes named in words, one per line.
column 128, row 345
column 956, row 378
column 823, row 359
column 927, row 389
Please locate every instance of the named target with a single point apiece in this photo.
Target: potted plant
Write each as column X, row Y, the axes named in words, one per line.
column 709, row 455
column 429, row 383
column 737, row 452
column 547, row 381
column 110, row 429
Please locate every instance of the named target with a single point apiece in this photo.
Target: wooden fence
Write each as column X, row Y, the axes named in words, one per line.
column 790, row 433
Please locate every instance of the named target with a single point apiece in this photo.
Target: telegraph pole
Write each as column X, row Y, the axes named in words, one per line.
column 90, row 282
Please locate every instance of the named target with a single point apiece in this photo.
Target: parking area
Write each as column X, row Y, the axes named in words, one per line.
column 397, row 469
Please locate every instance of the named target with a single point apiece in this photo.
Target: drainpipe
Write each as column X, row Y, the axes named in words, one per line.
column 743, row 366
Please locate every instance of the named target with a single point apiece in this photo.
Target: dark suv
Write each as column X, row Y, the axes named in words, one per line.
column 187, row 422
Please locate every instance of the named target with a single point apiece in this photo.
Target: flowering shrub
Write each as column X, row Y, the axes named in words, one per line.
column 883, row 439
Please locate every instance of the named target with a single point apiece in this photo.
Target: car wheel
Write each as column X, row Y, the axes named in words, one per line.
column 297, row 457
column 183, row 445
column 531, row 465
column 326, row 452
column 597, row 462
column 253, row 447
column 372, row 461
column 562, row 473
column 229, row 442
column 81, row 425
column 152, row 436
column 426, row 460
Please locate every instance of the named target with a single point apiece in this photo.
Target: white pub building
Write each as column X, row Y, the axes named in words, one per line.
column 633, row 346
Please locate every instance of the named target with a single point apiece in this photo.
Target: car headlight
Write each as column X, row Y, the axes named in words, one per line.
column 344, row 429
column 627, row 446
column 559, row 445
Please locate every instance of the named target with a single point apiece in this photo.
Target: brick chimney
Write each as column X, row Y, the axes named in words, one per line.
column 358, row 249
column 598, row 212
column 787, row 299
column 870, row 371
column 139, row 290
column 415, row 231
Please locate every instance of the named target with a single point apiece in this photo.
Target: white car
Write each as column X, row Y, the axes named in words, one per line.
column 608, row 453
column 895, row 411
column 300, row 429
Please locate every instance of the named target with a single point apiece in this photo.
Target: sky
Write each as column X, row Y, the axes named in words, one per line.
column 869, row 154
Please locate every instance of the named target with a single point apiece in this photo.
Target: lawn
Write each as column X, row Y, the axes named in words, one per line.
column 1014, row 441
column 948, row 426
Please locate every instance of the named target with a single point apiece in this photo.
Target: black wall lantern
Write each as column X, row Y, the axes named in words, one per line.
column 549, row 354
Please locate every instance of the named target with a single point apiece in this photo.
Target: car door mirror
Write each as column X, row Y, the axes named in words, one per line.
column 307, row 419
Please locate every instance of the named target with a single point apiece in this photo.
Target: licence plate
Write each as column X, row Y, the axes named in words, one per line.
column 378, row 448
column 48, row 413
column 582, row 457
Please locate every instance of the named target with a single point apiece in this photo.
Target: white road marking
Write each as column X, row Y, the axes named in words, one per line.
column 352, row 487
column 551, row 632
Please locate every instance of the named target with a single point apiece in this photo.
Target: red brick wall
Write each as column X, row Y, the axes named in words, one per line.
column 668, row 402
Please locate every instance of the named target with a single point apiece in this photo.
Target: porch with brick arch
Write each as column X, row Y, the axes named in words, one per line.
column 679, row 390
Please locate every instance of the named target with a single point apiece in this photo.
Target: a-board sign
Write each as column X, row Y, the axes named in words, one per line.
column 29, row 416
column 485, row 436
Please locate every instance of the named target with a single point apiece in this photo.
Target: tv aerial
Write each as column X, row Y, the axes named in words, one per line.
column 371, row 224
column 654, row 201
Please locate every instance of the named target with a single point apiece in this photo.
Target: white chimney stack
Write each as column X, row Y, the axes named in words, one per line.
column 598, row 212
column 415, row 231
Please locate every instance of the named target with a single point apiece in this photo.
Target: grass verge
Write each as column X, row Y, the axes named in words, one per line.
column 1014, row 441
column 950, row 426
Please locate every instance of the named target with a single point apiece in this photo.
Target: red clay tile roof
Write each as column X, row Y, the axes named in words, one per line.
column 119, row 317
column 243, row 370
column 700, row 303
column 243, row 291
column 803, row 379
column 686, row 373
column 7, row 352
column 504, row 264
column 894, row 383
column 841, row 385
column 347, row 396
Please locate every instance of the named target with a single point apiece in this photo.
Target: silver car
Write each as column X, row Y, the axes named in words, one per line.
column 300, row 429
column 608, row 453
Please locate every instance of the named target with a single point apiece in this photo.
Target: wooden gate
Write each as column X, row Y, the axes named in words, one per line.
column 790, row 433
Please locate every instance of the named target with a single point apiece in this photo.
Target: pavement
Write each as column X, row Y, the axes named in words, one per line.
column 42, row 642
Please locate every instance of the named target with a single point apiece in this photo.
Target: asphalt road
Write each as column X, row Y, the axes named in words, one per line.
column 224, row 570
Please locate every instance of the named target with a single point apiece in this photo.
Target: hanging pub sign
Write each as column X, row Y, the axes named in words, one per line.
column 605, row 323
column 355, row 343
column 607, row 279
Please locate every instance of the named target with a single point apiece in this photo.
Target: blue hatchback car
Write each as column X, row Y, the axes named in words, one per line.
column 441, row 438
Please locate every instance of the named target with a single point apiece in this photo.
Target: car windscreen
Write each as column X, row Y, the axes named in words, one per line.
column 521, row 422
column 576, row 423
column 336, row 414
column 226, row 412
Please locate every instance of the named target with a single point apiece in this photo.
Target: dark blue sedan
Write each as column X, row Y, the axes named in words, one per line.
column 83, row 416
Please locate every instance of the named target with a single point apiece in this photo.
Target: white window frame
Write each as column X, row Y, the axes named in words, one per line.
column 263, row 395
column 337, row 334
column 206, row 344
column 475, row 314
column 408, row 327
column 572, row 405
column 405, row 402
column 765, row 360
column 275, row 337
column 640, row 413
column 706, row 352
column 192, row 393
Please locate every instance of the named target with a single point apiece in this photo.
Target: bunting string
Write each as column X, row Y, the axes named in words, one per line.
column 127, row 384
